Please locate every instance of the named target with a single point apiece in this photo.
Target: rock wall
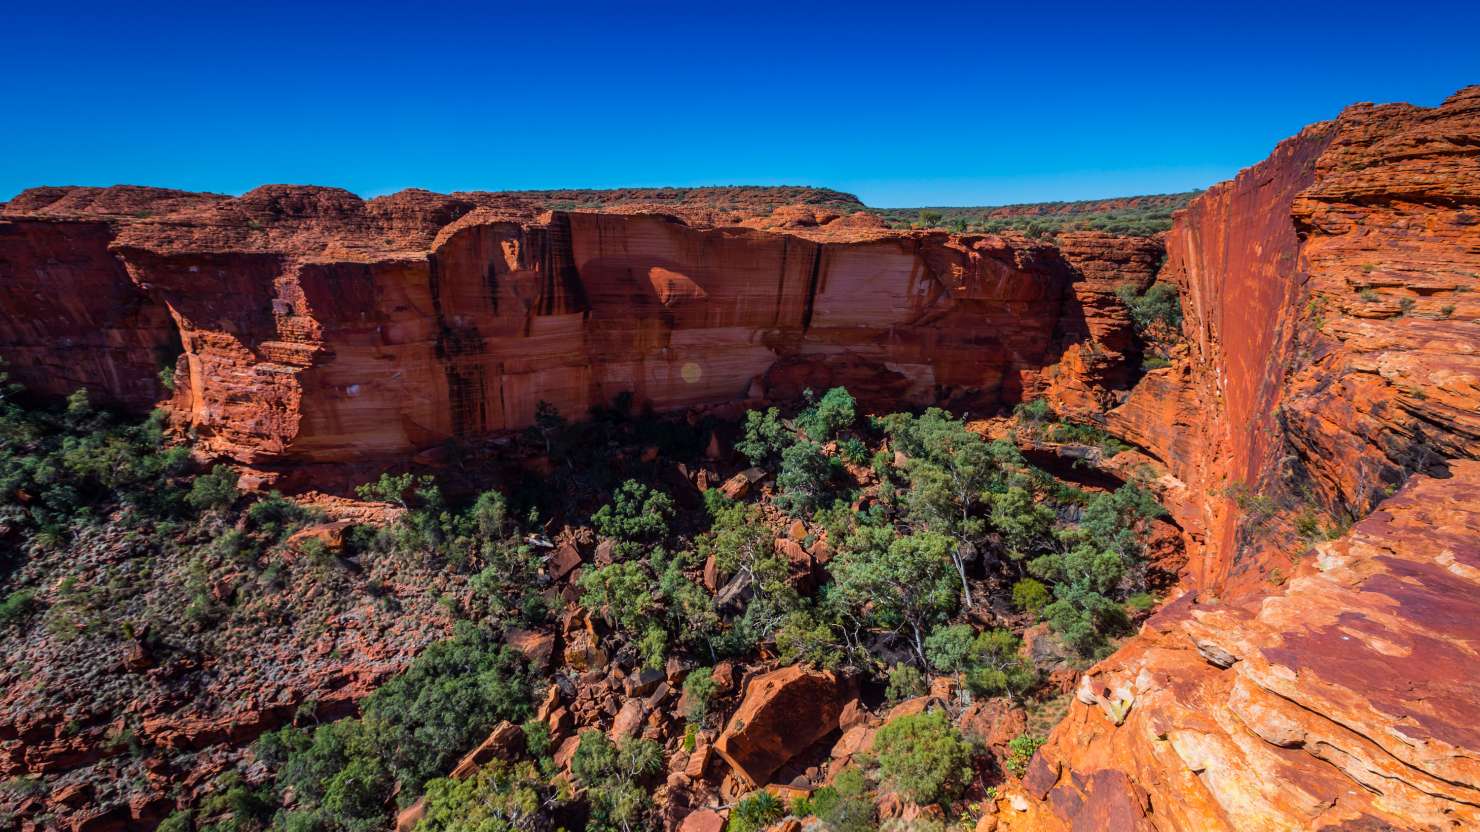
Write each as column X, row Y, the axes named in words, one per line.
column 319, row 328
column 1333, row 363
column 73, row 317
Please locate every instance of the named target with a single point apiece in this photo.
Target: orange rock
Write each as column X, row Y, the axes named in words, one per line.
column 502, row 743
column 783, row 713
column 704, row 820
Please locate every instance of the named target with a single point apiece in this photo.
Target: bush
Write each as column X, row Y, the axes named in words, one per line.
column 413, row 729
column 844, row 806
column 17, row 607
column 636, row 513
column 500, row 797
column 805, row 477
column 835, row 411
column 756, row 812
column 924, row 758
column 905, row 682
column 764, row 437
column 1157, row 311
column 1020, row 752
column 1030, row 596
column 215, row 490
column 507, row 589
column 698, row 688
column 1034, row 412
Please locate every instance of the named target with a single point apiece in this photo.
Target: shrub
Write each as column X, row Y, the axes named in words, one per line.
column 844, row 806
column 1020, row 751
column 754, row 813
column 835, row 411
column 17, row 607
column 636, row 513
column 853, row 451
column 1158, row 308
column 764, row 437
column 507, row 589
column 905, row 682
column 500, row 797
column 414, row 727
column 215, row 490
column 804, row 478
column 698, row 689
column 924, row 758
column 1030, row 596
column 1034, row 412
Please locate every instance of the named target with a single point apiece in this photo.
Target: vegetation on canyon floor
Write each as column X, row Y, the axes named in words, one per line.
column 943, row 546
column 1134, row 216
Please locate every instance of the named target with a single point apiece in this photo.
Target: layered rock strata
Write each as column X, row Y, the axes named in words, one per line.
column 1332, row 366
column 315, row 327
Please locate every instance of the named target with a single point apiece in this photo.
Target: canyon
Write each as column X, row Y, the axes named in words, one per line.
column 1327, row 374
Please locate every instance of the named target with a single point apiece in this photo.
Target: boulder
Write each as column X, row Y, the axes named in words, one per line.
column 783, row 713
column 628, row 721
column 504, row 742
column 536, row 646
column 704, row 820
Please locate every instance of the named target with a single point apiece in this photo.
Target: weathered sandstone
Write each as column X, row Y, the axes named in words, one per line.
column 1333, row 358
column 316, row 327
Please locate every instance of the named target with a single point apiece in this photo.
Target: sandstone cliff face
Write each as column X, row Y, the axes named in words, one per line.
column 319, row 328
column 75, row 320
column 1332, row 358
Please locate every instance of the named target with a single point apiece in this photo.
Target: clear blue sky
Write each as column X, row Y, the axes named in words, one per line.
column 902, row 103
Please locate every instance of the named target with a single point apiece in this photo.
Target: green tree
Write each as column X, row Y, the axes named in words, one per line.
column 835, row 411
column 924, row 758
column 615, row 779
column 499, row 797
column 901, row 583
column 1026, row 526
column 764, row 437
column 948, row 470
column 987, row 662
column 806, row 473
column 637, row 514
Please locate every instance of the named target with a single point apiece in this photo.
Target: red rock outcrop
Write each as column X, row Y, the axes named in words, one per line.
column 783, row 713
column 320, row 328
column 1333, row 356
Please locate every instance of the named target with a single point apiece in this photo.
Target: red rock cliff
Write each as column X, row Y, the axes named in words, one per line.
column 319, row 328
column 1334, row 361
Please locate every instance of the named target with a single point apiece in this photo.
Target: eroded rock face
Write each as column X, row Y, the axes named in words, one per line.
column 319, row 328
column 1334, row 356
column 73, row 319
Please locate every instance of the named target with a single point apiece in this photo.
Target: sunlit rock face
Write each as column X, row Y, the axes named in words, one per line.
column 314, row 327
column 1333, row 367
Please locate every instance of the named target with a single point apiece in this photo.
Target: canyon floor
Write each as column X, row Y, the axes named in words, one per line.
column 750, row 508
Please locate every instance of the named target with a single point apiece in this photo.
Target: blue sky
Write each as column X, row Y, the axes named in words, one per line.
column 903, row 104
